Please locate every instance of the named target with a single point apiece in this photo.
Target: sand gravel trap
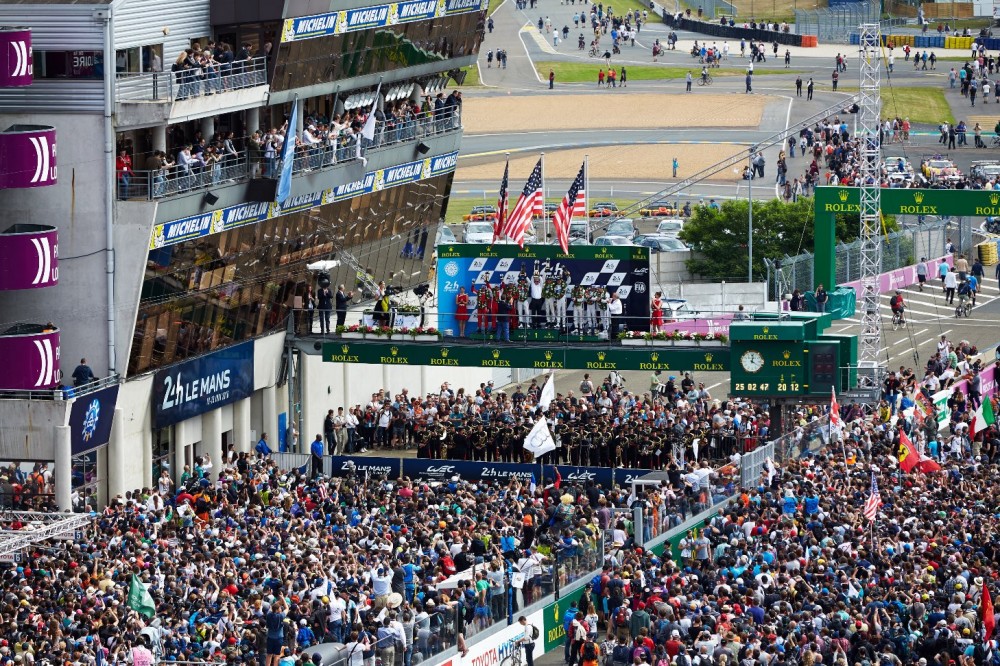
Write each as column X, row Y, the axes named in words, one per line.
column 634, row 162
column 585, row 111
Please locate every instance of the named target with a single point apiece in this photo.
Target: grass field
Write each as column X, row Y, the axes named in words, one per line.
column 926, row 106
column 585, row 72
column 472, row 76
column 493, row 6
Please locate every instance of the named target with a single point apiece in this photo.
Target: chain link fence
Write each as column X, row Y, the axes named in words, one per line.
column 901, row 248
column 836, row 23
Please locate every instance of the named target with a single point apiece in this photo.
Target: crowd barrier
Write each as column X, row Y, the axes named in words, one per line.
column 444, row 470
column 736, row 32
column 932, row 41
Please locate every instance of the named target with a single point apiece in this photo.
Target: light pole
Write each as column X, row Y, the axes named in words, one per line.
column 750, row 209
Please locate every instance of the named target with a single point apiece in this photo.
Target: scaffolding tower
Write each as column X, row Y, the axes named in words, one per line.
column 870, row 159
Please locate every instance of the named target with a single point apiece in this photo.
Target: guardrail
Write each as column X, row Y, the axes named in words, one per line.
column 204, row 173
column 64, row 392
column 189, row 83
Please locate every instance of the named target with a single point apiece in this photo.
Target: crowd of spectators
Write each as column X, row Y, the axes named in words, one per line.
column 600, row 424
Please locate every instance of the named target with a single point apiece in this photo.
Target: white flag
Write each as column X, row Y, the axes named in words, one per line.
column 368, row 131
column 539, row 441
column 548, row 392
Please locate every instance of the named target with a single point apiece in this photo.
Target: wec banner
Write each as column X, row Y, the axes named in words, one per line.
column 445, row 470
column 350, row 20
column 233, row 217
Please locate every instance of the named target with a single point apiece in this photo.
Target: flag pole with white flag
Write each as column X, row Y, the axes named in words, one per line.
column 288, row 156
column 368, row 130
column 539, row 441
column 548, row 392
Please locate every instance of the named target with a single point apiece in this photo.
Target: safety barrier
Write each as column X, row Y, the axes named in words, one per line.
column 733, row 32
column 933, row 41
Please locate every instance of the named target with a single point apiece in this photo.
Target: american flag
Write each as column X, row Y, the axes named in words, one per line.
column 873, row 502
column 573, row 205
column 501, row 204
column 531, row 201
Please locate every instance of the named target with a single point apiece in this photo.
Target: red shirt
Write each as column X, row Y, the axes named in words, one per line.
column 124, row 164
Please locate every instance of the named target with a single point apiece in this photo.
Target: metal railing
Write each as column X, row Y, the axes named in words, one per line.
column 899, row 249
column 201, row 174
column 63, row 392
column 189, row 83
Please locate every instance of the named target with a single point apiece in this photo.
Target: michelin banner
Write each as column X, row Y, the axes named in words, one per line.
column 351, row 20
column 234, row 217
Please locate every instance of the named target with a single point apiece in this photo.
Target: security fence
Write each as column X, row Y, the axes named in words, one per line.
column 835, row 23
column 901, row 248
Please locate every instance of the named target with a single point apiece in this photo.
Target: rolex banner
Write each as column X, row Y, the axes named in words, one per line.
column 710, row 356
column 621, row 270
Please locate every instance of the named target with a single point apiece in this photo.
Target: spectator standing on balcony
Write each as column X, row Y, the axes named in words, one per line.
column 83, row 375
column 324, row 300
column 124, row 167
column 342, row 300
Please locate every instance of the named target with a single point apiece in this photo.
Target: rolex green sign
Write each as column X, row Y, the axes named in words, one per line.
column 898, row 201
column 831, row 201
column 712, row 358
column 552, row 620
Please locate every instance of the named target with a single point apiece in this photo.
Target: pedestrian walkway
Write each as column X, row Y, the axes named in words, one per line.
column 930, row 305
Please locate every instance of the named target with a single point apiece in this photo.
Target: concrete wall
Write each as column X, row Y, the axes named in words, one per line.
column 668, row 268
column 721, row 296
column 27, row 428
column 76, row 206
column 331, row 385
column 137, row 428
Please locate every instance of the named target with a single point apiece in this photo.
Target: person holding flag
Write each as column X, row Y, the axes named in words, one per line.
column 910, row 458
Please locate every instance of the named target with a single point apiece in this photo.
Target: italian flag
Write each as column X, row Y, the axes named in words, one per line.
column 983, row 418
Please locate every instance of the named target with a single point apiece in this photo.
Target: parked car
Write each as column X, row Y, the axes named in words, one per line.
column 939, row 168
column 985, row 170
column 604, row 209
column 480, row 213
column 581, row 230
column 619, row 241
column 659, row 209
column 677, row 309
column 623, row 226
column 481, row 233
column 663, row 244
column 670, row 227
column 444, row 235
column 550, row 209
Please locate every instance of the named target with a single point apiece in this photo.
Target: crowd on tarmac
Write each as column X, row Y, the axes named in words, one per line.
column 260, row 564
column 601, row 424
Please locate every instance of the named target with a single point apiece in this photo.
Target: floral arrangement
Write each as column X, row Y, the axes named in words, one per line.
column 385, row 331
column 675, row 335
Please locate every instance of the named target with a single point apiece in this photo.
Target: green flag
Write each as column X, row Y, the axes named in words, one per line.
column 139, row 598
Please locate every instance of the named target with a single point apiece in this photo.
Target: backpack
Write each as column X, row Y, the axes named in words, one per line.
column 595, row 584
column 589, row 651
column 621, row 617
column 585, row 387
column 535, row 633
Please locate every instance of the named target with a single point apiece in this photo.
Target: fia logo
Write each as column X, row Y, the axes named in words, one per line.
column 91, row 420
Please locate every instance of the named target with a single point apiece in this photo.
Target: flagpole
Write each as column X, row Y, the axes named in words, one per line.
column 586, row 197
column 545, row 216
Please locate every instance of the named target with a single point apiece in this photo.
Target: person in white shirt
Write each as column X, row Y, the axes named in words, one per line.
column 615, row 310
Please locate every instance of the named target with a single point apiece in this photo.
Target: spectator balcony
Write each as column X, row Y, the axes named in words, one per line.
column 154, row 98
column 320, row 163
column 29, row 257
column 155, row 197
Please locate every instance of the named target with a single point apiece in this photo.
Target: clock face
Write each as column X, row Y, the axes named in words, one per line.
column 752, row 361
